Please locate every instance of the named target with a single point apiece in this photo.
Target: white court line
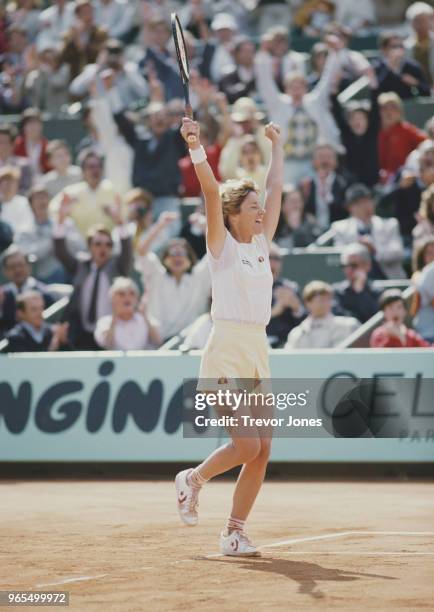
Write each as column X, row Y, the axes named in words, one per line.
column 371, row 553
column 327, row 536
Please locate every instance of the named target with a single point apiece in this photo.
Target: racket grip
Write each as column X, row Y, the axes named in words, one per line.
column 189, row 113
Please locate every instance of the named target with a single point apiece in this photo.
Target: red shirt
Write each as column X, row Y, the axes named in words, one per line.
column 396, row 143
column 380, row 338
column 190, row 183
column 21, row 151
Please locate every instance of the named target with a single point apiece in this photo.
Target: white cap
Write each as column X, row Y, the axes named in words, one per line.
column 418, row 8
column 223, row 21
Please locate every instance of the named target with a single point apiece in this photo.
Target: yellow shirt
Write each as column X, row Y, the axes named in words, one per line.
column 88, row 204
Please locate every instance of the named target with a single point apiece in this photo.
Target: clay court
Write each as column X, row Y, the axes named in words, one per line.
column 119, row 546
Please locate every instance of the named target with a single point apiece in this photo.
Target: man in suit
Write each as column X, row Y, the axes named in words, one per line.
column 32, row 334
column 324, row 192
column 380, row 236
column 17, row 270
column 92, row 275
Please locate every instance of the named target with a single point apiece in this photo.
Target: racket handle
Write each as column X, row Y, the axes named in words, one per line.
column 189, row 113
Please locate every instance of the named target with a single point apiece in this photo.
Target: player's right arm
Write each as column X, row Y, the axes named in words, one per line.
column 216, row 231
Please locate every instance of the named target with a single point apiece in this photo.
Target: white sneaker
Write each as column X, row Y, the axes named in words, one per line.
column 187, row 497
column 237, row 544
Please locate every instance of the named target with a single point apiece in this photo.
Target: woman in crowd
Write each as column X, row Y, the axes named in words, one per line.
column 296, row 227
column 126, row 329
column 177, row 287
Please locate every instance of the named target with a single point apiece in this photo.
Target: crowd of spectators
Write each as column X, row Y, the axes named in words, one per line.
column 105, row 217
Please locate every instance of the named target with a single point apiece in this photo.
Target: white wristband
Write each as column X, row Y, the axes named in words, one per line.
column 198, row 155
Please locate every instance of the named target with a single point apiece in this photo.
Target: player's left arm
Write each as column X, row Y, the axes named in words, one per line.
column 273, row 185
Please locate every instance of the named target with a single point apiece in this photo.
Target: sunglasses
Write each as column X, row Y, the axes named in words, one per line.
column 177, row 253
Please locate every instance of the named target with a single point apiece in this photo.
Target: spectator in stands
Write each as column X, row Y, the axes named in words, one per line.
column 304, row 116
column 397, row 138
column 356, row 15
column 91, row 200
column 156, row 158
column 92, row 276
column 420, row 45
column 251, row 164
column 177, row 287
column 36, row 239
column 425, row 226
column 6, row 236
column 158, row 58
column 124, row 76
column 318, row 57
column 12, row 100
column 54, row 22
column 394, row 333
column 238, row 81
column 356, row 296
column 423, row 254
column 324, row 192
column 287, row 310
column 246, row 119
column 17, row 45
column 26, row 14
column 139, row 219
column 194, row 228
column 115, row 16
column 32, row 334
column 63, row 172
column 352, row 64
column 321, row 329
column 313, row 16
column 380, row 236
column 31, row 142
column 396, row 73
column 403, row 198
column 359, row 123
column 83, row 40
column 224, row 27
column 17, row 270
column 46, row 85
column 296, row 227
column 412, row 161
column 423, row 305
column 126, row 329
column 285, row 60
column 7, row 158
column 14, row 208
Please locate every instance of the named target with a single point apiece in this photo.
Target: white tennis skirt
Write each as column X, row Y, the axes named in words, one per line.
column 235, row 352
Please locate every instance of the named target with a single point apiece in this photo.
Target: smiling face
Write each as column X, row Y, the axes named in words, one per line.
column 177, row 260
column 249, row 220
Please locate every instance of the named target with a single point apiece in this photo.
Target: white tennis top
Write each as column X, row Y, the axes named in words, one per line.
column 242, row 281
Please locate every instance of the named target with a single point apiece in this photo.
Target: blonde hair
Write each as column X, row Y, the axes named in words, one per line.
column 122, row 283
column 233, row 193
column 390, row 97
column 426, row 209
column 315, row 288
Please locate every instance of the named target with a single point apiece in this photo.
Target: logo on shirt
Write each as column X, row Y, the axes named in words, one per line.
column 247, row 262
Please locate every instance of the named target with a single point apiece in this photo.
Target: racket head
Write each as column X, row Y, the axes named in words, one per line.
column 181, row 51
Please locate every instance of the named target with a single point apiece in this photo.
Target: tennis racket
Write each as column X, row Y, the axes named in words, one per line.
column 181, row 54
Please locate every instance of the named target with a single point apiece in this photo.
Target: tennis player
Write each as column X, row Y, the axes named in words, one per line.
column 239, row 233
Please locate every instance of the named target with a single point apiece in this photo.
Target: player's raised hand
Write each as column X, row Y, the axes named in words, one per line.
column 190, row 129
column 272, row 132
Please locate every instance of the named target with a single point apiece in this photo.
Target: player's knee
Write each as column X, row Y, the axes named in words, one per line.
column 264, row 451
column 248, row 449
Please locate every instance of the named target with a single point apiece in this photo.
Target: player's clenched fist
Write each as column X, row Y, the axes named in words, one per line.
column 190, row 131
column 272, row 132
